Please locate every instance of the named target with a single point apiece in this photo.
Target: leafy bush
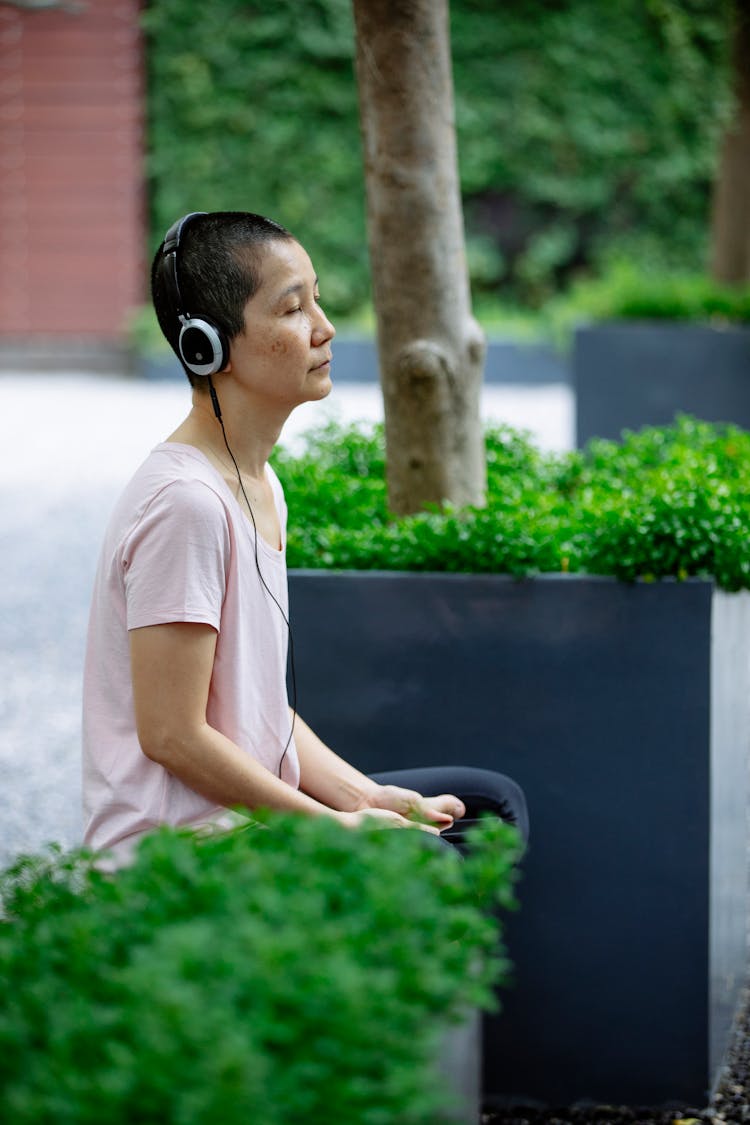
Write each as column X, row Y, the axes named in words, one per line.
column 627, row 292
column 580, row 133
column 263, row 119
column 671, row 501
column 583, row 128
column 293, row 971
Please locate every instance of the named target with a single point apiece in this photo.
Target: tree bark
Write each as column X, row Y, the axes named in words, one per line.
column 430, row 347
column 730, row 233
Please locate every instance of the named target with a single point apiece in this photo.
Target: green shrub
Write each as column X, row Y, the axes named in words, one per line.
column 293, row 971
column 628, row 292
column 671, row 501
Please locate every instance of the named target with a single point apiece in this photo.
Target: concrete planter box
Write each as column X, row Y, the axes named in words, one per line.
column 624, row 712
column 629, row 374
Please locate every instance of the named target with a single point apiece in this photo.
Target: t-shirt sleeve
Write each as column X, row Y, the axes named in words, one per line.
column 175, row 561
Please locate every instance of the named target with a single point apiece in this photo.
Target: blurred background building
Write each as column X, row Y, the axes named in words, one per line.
column 72, row 212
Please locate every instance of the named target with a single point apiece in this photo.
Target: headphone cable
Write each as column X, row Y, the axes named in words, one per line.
column 272, row 596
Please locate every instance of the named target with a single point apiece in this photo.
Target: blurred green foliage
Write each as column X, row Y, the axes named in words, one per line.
column 669, row 501
column 589, row 129
column 625, row 292
column 586, row 130
column 292, row 971
column 253, row 107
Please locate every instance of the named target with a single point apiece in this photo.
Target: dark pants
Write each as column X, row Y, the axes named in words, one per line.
column 480, row 790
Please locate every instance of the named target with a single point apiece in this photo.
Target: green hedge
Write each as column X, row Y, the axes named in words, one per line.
column 292, row 972
column 670, row 501
column 585, row 129
column 628, row 292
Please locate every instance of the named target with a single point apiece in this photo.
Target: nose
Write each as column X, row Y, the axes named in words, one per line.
column 323, row 330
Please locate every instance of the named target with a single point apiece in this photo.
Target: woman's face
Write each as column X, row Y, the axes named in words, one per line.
column 284, row 352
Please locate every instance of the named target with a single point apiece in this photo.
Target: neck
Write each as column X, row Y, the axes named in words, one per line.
column 251, row 437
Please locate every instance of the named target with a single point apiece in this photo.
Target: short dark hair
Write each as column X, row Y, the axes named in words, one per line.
column 218, row 270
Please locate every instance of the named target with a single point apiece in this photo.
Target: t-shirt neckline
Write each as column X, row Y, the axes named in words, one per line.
column 194, row 451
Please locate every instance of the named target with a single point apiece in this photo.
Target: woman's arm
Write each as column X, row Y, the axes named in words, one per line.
column 328, row 778
column 171, row 668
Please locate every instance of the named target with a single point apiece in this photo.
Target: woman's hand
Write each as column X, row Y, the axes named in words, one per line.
column 440, row 811
column 387, row 818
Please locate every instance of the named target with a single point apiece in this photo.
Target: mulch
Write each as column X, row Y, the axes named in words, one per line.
column 729, row 1106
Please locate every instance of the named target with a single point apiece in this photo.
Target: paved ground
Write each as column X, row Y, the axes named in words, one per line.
column 69, row 443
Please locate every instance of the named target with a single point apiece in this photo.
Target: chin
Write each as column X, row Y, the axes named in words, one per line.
column 323, row 389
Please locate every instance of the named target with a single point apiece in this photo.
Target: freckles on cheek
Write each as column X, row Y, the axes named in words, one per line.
column 279, row 347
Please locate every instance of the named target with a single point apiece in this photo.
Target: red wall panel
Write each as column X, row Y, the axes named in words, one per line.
column 72, row 222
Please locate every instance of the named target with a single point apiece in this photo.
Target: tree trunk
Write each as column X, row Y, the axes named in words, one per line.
column 730, row 260
column 430, row 347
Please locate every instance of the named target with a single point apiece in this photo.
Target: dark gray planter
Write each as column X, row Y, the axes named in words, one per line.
column 623, row 712
column 629, row 374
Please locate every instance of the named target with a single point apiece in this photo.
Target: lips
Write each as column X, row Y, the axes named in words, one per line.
column 323, row 363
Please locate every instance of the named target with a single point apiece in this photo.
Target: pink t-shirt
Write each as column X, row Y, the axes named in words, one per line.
column 179, row 548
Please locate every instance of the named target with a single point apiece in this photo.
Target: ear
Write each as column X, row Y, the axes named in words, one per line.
column 227, row 369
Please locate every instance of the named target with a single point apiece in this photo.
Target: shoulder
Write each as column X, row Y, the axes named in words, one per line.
column 176, row 476
column 173, row 496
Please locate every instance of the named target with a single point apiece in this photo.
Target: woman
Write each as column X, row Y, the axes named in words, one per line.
column 185, row 704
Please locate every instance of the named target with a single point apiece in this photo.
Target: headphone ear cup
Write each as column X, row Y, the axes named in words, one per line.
column 203, row 347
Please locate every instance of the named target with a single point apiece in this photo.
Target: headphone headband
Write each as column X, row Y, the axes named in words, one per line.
column 202, row 346
column 173, row 235
column 171, row 246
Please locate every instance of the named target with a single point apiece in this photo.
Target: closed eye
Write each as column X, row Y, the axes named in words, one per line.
column 300, row 308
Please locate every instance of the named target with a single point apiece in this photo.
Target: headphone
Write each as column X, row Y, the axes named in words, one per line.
column 203, row 347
